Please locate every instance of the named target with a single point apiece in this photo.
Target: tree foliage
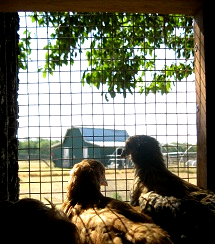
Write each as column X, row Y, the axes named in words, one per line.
column 123, row 47
column 178, row 147
column 38, row 148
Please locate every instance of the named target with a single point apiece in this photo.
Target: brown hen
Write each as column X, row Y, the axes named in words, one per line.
column 181, row 208
column 31, row 221
column 101, row 219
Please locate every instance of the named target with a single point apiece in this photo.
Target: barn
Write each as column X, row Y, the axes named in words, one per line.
column 102, row 144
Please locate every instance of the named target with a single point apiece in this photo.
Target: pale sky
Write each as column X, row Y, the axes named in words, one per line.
column 53, row 107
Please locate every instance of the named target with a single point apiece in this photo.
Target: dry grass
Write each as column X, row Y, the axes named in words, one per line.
column 42, row 180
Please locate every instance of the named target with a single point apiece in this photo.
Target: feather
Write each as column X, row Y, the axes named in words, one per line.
column 102, row 219
column 184, row 210
column 30, row 220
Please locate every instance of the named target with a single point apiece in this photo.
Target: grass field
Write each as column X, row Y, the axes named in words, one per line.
column 40, row 180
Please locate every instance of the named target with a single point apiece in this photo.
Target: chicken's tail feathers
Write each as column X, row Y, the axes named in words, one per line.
column 148, row 233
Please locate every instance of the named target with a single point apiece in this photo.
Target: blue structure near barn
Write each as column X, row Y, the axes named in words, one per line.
column 84, row 142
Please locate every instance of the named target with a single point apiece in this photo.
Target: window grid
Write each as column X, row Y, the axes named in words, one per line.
column 55, row 110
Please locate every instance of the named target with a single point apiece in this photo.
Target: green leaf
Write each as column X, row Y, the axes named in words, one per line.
column 44, row 74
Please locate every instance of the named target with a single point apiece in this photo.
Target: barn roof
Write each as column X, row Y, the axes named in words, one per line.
column 100, row 136
column 104, row 137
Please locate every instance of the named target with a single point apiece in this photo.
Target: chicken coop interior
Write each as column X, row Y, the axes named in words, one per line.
column 88, row 76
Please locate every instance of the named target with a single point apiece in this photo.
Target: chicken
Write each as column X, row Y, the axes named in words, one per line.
column 102, row 219
column 31, row 221
column 184, row 210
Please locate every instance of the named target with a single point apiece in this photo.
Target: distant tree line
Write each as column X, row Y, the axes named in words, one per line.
column 36, row 148
column 178, row 147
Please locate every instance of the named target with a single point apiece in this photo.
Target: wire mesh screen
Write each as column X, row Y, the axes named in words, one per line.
column 88, row 82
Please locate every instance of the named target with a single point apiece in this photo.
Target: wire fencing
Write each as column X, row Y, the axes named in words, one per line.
column 87, row 81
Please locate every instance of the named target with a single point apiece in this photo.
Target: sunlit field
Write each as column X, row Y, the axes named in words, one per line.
column 41, row 180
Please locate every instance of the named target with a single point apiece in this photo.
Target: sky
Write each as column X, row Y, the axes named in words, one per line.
column 48, row 107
